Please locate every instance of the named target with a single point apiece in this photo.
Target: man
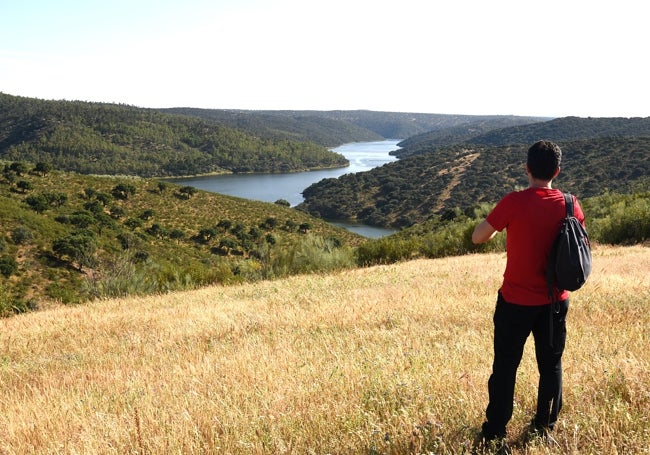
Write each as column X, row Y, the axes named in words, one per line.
column 532, row 218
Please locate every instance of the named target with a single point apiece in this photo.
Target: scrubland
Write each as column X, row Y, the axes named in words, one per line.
column 383, row 360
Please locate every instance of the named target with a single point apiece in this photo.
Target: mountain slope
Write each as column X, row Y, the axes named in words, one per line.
column 402, row 125
column 390, row 359
column 496, row 134
column 67, row 237
column 412, row 189
column 298, row 126
column 95, row 138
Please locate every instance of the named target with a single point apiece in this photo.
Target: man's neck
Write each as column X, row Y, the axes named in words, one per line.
column 536, row 183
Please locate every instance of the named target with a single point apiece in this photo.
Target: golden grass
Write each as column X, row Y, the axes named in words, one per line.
column 391, row 359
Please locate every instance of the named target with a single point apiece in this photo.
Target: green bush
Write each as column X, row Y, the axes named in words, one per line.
column 8, row 266
column 386, row 250
column 625, row 220
column 311, row 254
column 60, row 292
column 11, row 303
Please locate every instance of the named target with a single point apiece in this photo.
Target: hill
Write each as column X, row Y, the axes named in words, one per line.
column 411, row 189
column 402, row 125
column 109, row 139
column 297, row 126
column 495, row 133
column 68, row 237
column 389, row 360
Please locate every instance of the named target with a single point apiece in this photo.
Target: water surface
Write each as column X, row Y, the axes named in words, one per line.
column 363, row 156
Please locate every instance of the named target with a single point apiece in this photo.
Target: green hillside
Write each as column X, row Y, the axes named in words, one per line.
column 109, row 139
column 297, row 126
column 67, row 237
column 412, row 189
column 402, row 125
column 495, row 133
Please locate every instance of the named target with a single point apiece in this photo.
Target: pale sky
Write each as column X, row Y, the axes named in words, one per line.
column 553, row 58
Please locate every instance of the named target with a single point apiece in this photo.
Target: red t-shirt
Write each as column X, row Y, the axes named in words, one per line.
column 532, row 218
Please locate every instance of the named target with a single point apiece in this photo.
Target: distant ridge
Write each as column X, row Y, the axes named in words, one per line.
column 605, row 155
column 112, row 139
column 559, row 129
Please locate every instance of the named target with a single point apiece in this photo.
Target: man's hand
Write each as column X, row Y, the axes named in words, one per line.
column 483, row 232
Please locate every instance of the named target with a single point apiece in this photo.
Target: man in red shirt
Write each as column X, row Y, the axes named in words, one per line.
column 532, row 218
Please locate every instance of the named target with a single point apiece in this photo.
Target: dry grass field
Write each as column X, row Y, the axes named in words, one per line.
column 385, row 360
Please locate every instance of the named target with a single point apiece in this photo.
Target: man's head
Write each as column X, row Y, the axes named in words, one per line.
column 544, row 159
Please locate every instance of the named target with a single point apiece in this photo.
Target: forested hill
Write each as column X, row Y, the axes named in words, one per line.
column 412, row 189
column 97, row 138
column 402, row 125
column 331, row 128
column 69, row 237
column 322, row 130
column 560, row 129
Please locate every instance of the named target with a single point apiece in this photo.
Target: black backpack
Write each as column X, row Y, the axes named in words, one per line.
column 569, row 262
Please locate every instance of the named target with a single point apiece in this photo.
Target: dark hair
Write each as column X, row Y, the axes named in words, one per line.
column 544, row 158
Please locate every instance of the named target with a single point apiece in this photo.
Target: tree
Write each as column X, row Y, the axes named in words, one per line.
column 187, row 191
column 206, row 234
column 42, row 168
column 157, row 230
column 270, row 223
column 104, row 198
column 81, row 219
column 123, row 191
column 38, row 203
column 227, row 245
column 56, row 198
column 78, row 247
column 19, row 168
column 94, row 207
column 117, row 212
column 177, row 234
column 21, row 235
column 8, row 266
column 24, row 186
column 224, row 225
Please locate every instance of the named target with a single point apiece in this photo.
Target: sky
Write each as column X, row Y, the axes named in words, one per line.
column 500, row 57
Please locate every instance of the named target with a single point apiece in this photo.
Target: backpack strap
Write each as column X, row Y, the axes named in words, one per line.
column 568, row 202
column 550, row 271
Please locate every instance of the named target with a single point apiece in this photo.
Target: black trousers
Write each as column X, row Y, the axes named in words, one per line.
column 512, row 325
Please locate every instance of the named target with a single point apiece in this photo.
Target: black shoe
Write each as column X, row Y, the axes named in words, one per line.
column 490, row 446
column 539, row 434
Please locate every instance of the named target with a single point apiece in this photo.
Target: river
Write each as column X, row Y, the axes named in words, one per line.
column 363, row 156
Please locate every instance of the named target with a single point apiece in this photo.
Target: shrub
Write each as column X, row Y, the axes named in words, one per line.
column 11, row 304
column 62, row 293
column 21, row 235
column 38, row 203
column 311, row 254
column 8, row 266
column 120, row 278
column 42, row 168
column 123, row 191
column 78, row 247
column 618, row 219
column 386, row 250
column 24, row 186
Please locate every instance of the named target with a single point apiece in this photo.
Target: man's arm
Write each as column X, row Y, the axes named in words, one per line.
column 483, row 232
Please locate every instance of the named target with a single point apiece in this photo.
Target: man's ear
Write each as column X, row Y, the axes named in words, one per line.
column 556, row 172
